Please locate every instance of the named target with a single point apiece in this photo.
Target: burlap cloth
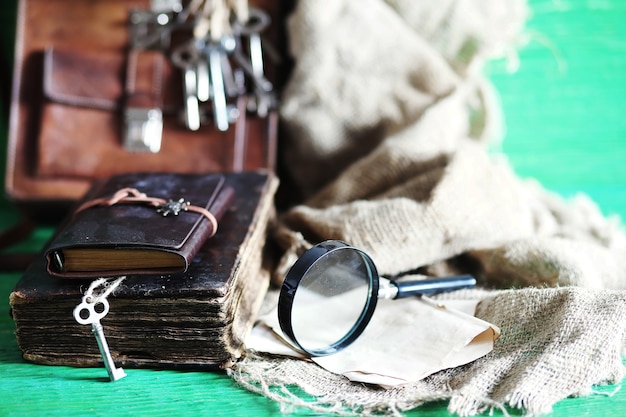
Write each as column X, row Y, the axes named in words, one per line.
column 388, row 122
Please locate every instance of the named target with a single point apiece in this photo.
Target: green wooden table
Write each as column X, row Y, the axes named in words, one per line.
column 566, row 115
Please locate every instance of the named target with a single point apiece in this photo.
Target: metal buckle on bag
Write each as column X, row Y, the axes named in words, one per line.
column 143, row 129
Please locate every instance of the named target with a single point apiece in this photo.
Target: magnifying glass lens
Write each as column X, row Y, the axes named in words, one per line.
column 333, row 302
column 330, row 293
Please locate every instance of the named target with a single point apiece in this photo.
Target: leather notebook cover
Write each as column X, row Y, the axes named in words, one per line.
column 136, row 237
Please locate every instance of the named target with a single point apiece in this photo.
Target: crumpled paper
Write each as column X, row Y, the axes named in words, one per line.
column 406, row 340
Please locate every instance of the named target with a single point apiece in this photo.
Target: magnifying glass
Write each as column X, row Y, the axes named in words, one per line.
column 330, row 293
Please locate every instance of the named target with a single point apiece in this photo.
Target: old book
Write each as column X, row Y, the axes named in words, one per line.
column 198, row 318
column 139, row 223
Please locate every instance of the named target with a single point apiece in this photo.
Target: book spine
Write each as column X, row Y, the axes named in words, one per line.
column 218, row 207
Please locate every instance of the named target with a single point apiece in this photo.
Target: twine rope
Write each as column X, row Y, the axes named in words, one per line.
column 132, row 195
column 108, row 287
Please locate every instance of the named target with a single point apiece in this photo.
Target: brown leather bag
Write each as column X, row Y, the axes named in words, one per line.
column 74, row 77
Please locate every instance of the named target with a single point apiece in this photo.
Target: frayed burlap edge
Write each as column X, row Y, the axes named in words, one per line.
column 565, row 340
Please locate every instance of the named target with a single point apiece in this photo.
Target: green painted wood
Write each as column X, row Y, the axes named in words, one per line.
column 565, row 108
column 565, row 111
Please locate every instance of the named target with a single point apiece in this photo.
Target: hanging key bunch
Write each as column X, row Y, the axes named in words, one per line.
column 219, row 50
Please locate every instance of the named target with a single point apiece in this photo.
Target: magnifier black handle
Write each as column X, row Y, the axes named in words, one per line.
column 433, row 285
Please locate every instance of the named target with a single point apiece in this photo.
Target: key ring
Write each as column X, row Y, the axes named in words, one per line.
column 258, row 21
column 93, row 315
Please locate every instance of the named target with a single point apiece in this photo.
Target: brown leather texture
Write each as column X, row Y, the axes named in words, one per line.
column 73, row 75
column 131, row 226
column 82, row 120
column 148, row 77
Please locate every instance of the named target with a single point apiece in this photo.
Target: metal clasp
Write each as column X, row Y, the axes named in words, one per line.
column 143, row 129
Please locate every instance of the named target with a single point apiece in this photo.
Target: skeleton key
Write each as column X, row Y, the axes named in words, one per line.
column 220, row 111
column 203, row 78
column 256, row 62
column 262, row 86
column 260, row 81
column 233, row 88
column 201, row 29
column 88, row 312
column 186, row 58
column 215, row 52
column 169, row 16
column 257, row 22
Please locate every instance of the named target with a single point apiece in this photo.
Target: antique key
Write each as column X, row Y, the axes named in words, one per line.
column 203, row 79
column 186, row 57
column 90, row 312
column 200, row 31
column 257, row 21
column 220, row 110
column 152, row 29
column 231, row 82
column 259, row 79
column 213, row 27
